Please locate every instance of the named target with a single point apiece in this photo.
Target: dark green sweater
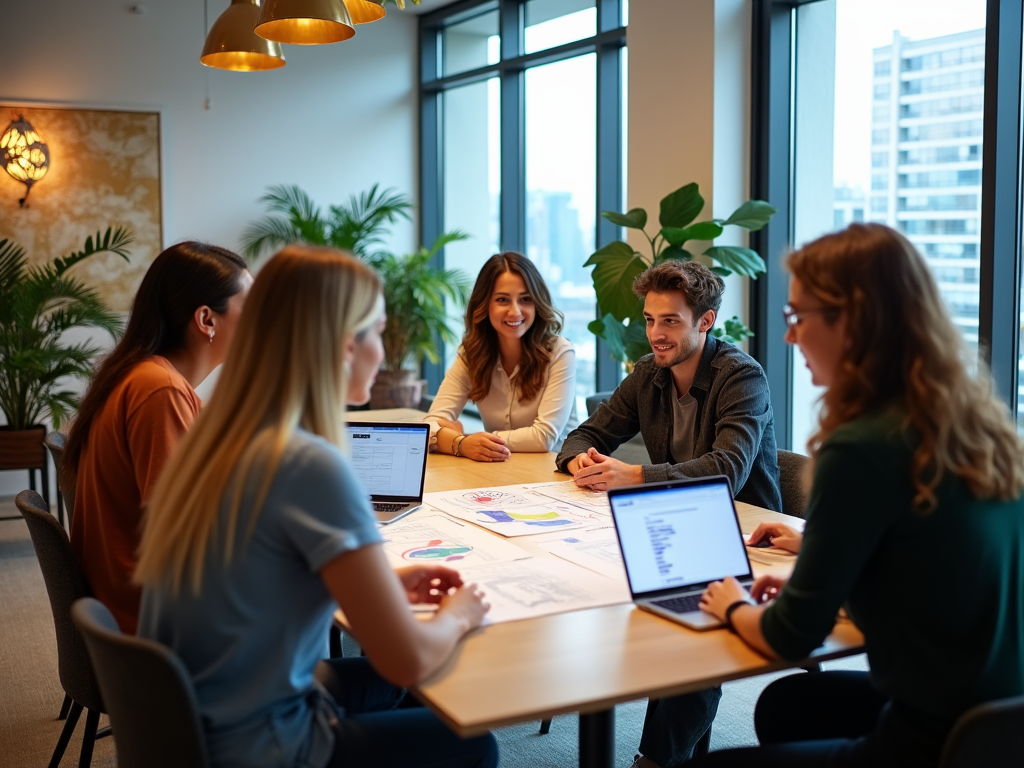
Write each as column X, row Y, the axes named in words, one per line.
column 939, row 597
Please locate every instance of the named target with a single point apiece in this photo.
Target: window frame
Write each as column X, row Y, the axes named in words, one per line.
column 607, row 44
column 774, row 34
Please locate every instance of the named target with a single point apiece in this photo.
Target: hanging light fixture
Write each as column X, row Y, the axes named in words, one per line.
column 305, row 22
column 231, row 43
column 365, row 11
column 23, row 154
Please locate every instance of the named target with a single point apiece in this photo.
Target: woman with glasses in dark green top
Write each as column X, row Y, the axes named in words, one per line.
column 914, row 522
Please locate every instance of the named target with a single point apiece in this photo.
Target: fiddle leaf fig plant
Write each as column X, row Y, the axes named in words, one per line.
column 617, row 265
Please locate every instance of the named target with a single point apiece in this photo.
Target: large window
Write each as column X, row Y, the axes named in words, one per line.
column 522, row 126
column 885, row 110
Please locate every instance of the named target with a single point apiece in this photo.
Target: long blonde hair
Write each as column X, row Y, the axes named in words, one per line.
column 285, row 369
column 904, row 351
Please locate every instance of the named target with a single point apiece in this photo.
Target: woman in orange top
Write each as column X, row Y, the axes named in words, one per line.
column 141, row 401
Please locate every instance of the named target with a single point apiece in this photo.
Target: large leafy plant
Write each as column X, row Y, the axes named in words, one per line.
column 358, row 226
column 617, row 264
column 415, row 293
column 38, row 304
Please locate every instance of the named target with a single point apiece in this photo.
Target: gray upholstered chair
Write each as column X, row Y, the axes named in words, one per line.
column 148, row 692
column 792, row 474
column 989, row 734
column 65, row 584
column 65, row 492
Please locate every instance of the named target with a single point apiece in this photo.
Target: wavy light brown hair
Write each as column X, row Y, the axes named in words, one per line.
column 904, row 351
column 480, row 344
column 285, row 370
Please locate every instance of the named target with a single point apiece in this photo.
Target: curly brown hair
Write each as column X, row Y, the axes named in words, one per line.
column 480, row 344
column 701, row 288
column 904, row 351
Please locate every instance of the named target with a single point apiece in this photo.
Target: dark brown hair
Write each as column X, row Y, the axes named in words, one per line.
column 183, row 278
column 701, row 287
column 480, row 344
column 904, row 351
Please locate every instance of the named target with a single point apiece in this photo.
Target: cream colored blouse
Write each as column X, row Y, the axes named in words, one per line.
column 533, row 426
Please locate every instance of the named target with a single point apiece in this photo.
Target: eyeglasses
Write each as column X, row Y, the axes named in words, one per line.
column 793, row 317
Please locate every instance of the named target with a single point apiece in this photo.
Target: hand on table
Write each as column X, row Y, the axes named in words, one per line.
column 604, row 472
column 467, row 603
column 428, row 583
column 720, row 595
column 766, row 588
column 781, row 536
column 577, row 463
column 454, row 426
column 484, row 446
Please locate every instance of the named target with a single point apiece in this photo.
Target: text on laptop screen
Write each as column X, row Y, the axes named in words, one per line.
column 388, row 460
column 675, row 537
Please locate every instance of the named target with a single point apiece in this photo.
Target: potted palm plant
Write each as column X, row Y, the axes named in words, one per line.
column 414, row 294
column 414, row 291
column 38, row 304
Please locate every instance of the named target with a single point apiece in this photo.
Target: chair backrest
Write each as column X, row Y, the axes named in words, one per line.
column 792, row 479
column 55, row 442
column 65, row 583
column 595, row 400
column 152, row 705
column 990, row 734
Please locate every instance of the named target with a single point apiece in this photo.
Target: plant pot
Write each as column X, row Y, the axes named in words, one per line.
column 22, row 448
column 397, row 389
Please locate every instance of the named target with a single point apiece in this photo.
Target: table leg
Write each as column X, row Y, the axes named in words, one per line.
column 597, row 739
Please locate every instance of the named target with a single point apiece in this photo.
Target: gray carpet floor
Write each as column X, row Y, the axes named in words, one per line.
column 30, row 692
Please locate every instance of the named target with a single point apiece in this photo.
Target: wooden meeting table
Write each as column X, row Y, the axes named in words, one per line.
column 584, row 661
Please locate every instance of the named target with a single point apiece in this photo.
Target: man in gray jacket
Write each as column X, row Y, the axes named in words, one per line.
column 703, row 408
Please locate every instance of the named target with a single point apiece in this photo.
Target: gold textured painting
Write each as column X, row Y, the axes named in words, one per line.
column 104, row 171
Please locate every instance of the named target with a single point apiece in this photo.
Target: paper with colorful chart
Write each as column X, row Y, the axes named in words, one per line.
column 595, row 548
column 511, row 510
column 441, row 540
column 540, row 587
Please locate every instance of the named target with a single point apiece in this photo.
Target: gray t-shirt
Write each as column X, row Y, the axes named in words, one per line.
column 253, row 636
column 684, row 417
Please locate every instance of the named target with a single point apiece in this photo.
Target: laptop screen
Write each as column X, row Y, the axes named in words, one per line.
column 390, row 458
column 678, row 534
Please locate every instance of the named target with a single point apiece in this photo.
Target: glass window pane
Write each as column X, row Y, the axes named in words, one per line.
column 550, row 23
column 561, row 197
column 472, row 181
column 889, row 108
column 470, row 44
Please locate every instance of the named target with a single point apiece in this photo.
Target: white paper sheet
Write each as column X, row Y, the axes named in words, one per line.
column 594, row 501
column 595, row 548
column 511, row 510
column 441, row 540
column 540, row 587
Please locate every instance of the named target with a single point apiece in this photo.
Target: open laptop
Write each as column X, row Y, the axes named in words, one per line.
column 677, row 537
column 390, row 459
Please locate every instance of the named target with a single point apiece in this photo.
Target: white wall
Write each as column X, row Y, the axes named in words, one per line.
column 335, row 120
column 689, row 112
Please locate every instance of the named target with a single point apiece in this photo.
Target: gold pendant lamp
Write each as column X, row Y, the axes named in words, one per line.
column 305, row 22
column 365, row 11
column 231, row 43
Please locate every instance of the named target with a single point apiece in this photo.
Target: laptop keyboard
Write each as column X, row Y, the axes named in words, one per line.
column 387, row 506
column 683, row 604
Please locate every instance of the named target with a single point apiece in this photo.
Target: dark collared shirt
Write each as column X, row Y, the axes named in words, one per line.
column 734, row 434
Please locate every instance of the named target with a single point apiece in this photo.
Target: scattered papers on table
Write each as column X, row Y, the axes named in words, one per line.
column 594, row 501
column 511, row 510
column 769, row 556
column 594, row 548
column 540, row 587
column 440, row 540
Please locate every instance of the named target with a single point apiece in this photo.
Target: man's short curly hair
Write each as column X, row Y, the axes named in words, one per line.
column 701, row 287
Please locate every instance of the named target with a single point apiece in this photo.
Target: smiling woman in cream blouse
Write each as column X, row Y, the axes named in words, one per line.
column 512, row 363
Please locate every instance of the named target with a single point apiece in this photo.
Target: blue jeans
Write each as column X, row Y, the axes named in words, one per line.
column 674, row 725
column 384, row 729
column 834, row 719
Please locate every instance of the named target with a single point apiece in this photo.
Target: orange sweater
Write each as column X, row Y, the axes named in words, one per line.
column 128, row 444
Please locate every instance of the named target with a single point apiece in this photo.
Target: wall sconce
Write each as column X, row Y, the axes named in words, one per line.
column 23, row 154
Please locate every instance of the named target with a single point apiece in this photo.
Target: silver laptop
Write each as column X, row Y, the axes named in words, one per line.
column 676, row 538
column 390, row 459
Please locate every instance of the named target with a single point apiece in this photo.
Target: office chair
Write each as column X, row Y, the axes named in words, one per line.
column 989, row 734
column 65, row 492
